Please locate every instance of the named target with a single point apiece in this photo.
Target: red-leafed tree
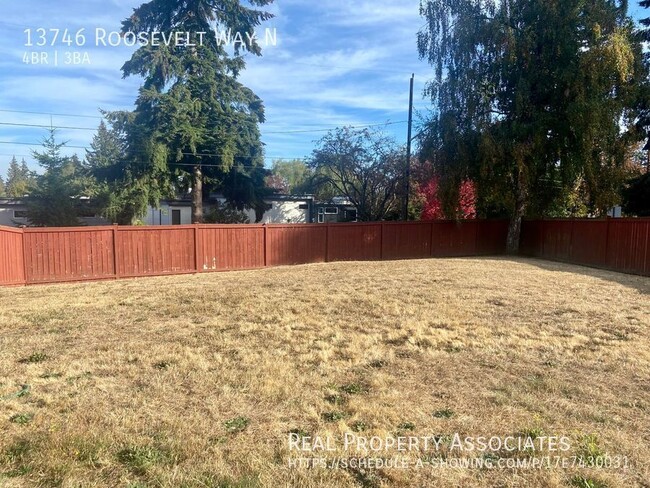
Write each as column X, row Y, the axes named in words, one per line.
column 433, row 208
column 467, row 200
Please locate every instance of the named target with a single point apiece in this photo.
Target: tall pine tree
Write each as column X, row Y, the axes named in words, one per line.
column 121, row 191
column 645, row 22
column 644, row 96
column 194, row 122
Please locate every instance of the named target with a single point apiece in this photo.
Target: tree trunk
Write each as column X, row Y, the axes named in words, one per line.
column 514, row 234
column 514, row 230
column 197, row 195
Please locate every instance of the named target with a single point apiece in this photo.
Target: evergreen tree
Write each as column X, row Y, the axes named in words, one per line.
column 194, row 123
column 530, row 97
column 118, row 194
column 643, row 101
column 2, row 187
column 645, row 32
column 25, row 173
column 636, row 196
column 18, row 179
column 54, row 200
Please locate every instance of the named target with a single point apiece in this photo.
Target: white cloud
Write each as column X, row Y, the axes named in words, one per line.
column 337, row 63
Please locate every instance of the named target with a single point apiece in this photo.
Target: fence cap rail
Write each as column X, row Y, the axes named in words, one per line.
column 587, row 220
column 11, row 229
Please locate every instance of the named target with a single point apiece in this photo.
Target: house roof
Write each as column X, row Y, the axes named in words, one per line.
column 11, row 202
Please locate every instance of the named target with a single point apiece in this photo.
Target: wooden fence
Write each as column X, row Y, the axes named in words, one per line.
column 53, row 255
column 617, row 244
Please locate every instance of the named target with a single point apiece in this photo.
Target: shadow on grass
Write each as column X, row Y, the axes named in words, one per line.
column 640, row 283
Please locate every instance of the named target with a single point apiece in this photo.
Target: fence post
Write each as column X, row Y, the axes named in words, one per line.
column 266, row 246
column 24, row 247
column 115, row 258
column 327, row 242
column 381, row 241
column 197, row 249
column 606, row 243
column 573, row 225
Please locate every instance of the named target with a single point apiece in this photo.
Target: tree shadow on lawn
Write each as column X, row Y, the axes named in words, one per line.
column 640, row 283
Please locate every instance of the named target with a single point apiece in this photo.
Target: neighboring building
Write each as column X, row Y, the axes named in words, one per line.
column 286, row 209
column 169, row 212
column 13, row 213
column 337, row 210
column 615, row 212
column 282, row 209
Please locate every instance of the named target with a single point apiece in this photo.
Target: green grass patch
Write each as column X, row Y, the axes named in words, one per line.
column 37, row 357
column 443, row 414
column 237, row 424
column 583, row 482
column 22, row 418
column 333, row 416
column 139, row 459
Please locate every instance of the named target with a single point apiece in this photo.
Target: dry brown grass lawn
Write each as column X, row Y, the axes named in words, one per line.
column 195, row 381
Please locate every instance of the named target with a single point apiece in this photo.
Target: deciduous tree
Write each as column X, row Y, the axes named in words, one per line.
column 529, row 96
column 295, row 173
column 364, row 166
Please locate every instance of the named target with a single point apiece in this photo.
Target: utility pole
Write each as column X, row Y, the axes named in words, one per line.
column 407, row 172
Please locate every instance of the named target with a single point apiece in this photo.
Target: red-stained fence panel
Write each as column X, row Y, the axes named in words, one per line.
column 628, row 246
column 588, row 242
column 531, row 238
column 454, row 239
column 223, row 247
column 354, row 242
column 295, row 244
column 68, row 254
column 617, row 244
column 401, row 240
column 147, row 251
column 12, row 265
column 492, row 236
column 556, row 239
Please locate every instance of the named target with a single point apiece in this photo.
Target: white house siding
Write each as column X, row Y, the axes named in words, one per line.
column 163, row 215
column 7, row 216
column 283, row 212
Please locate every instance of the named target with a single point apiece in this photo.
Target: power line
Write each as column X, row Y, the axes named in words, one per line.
column 298, row 131
column 51, row 114
column 349, row 68
column 98, row 117
column 349, row 126
column 15, row 124
column 274, row 158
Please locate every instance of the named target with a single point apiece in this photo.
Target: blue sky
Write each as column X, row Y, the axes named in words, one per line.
column 336, row 63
